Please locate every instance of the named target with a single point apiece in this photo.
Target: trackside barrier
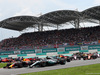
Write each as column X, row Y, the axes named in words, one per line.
column 3, row 56
column 14, row 56
column 91, row 51
column 91, row 47
column 41, row 56
column 77, row 48
column 28, row 57
column 51, row 54
column 40, row 53
column 71, row 52
column 83, row 51
column 7, row 53
column 67, row 54
column 99, row 50
column 27, row 51
column 21, row 55
column 49, row 50
column 31, row 55
column 63, row 52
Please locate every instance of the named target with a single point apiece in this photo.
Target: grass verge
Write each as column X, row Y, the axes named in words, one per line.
column 81, row 70
column 2, row 65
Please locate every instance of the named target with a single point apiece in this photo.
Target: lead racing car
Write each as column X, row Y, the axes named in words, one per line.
column 48, row 61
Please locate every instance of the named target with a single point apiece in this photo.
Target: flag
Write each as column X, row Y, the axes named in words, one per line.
column 65, row 44
column 98, row 41
column 94, row 42
column 56, row 45
column 86, row 43
column 72, row 43
column 79, row 43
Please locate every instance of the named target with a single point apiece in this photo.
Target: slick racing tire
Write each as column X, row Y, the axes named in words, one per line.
column 43, row 64
column 19, row 65
column 62, row 61
column 68, row 60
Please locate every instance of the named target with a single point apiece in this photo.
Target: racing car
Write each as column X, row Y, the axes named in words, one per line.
column 6, row 60
column 68, row 59
column 17, row 64
column 48, row 61
column 89, row 56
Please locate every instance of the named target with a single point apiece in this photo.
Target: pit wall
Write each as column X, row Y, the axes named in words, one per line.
column 50, row 52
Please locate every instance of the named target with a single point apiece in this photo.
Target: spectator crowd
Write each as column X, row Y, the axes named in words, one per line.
column 66, row 36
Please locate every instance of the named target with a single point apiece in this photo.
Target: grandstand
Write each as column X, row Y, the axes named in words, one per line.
column 55, row 38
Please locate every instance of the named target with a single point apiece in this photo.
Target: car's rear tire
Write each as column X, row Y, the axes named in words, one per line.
column 68, row 60
column 62, row 62
column 43, row 64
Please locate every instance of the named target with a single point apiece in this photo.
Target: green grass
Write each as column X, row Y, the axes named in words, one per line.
column 81, row 70
column 2, row 65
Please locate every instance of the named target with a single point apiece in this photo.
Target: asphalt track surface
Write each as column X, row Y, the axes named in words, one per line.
column 74, row 63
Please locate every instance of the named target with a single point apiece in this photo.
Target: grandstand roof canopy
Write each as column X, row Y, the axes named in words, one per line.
column 20, row 23
column 61, row 16
column 92, row 14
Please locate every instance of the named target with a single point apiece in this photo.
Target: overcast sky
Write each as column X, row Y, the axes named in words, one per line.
column 11, row 8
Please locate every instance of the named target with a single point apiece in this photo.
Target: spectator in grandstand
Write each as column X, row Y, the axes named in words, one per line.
column 40, row 39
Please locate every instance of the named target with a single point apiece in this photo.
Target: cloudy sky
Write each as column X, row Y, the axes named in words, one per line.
column 11, row 8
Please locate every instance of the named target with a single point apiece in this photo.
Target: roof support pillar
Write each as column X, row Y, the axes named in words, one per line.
column 99, row 22
column 40, row 27
column 57, row 27
column 76, row 22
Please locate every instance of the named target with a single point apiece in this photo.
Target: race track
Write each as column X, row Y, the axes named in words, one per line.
column 28, row 70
